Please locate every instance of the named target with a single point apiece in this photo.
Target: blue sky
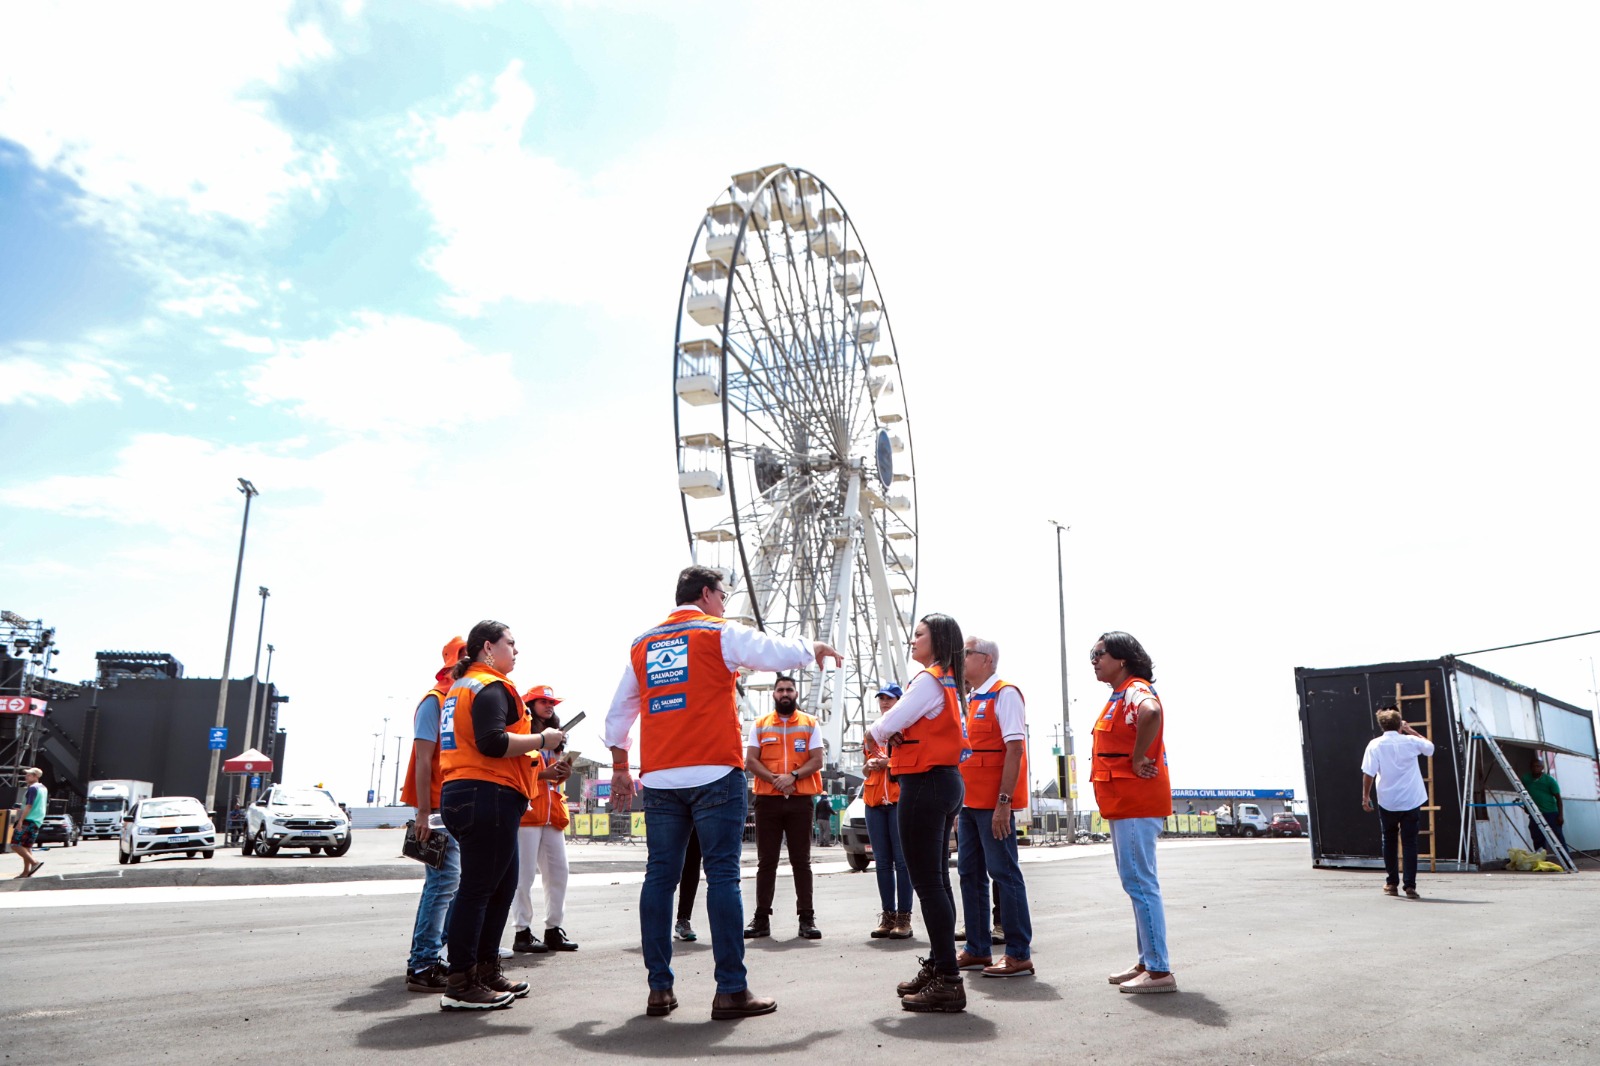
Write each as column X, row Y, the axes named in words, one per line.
column 1158, row 272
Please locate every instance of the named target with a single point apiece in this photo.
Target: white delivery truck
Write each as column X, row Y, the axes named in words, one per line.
column 108, row 802
column 1244, row 819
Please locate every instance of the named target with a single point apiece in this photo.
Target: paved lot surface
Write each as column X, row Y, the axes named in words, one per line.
column 1279, row 964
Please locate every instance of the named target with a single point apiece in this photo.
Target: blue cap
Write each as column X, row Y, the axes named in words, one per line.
column 891, row 689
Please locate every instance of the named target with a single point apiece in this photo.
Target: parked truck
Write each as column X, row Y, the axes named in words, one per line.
column 1242, row 820
column 108, row 802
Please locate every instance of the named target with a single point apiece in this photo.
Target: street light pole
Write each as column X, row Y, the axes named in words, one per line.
column 266, row 697
column 250, row 493
column 394, row 797
column 250, row 703
column 1066, row 716
column 383, row 759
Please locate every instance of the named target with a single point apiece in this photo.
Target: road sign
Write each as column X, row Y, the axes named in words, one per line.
column 255, row 780
column 371, row 796
column 219, row 738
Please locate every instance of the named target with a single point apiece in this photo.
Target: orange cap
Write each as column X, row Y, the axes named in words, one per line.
column 452, row 650
column 541, row 692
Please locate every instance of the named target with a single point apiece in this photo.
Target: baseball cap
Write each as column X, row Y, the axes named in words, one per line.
column 540, row 692
column 452, row 650
column 891, row 689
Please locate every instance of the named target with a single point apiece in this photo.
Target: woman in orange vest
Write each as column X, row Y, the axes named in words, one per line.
column 1135, row 797
column 485, row 738
column 925, row 734
column 541, row 847
column 881, row 795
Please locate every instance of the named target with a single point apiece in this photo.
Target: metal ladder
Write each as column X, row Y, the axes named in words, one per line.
column 1534, row 813
column 1425, row 727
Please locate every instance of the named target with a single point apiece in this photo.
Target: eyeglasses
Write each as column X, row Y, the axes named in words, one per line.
column 1098, row 654
column 975, row 651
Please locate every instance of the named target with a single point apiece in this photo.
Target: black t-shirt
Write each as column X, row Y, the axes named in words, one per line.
column 493, row 710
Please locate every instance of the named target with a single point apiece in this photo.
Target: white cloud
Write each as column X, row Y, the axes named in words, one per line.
column 160, row 108
column 31, row 382
column 385, row 374
column 199, row 297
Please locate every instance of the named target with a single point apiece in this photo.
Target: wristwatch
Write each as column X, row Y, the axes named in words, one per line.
column 1003, row 798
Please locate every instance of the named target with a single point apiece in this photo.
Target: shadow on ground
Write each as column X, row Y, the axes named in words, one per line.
column 678, row 1037
column 1191, row 1006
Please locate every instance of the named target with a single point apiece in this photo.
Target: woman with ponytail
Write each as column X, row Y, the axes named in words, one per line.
column 485, row 738
column 926, row 736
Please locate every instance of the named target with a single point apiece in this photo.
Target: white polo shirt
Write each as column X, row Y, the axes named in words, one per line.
column 1392, row 759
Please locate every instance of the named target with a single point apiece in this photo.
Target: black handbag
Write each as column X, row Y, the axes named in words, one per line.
column 429, row 852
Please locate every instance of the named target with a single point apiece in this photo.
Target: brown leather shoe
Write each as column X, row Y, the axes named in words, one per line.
column 1391, row 890
column 731, row 1006
column 973, row 962
column 1009, row 967
column 945, row 994
column 885, row 925
column 902, row 926
column 661, row 1003
column 917, row 983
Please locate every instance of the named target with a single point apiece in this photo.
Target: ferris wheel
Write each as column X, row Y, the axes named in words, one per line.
column 793, row 438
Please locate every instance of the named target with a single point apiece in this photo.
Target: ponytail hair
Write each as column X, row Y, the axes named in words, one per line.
column 487, row 631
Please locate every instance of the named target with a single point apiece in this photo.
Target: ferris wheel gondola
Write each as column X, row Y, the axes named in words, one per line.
column 793, row 438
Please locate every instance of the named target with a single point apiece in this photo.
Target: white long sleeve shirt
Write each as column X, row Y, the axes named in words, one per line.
column 741, row 646
column 924, row 698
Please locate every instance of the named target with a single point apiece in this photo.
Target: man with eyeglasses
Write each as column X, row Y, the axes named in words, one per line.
column 996, row 776
column 680, row 684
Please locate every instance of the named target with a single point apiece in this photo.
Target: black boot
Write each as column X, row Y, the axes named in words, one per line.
column 759, row 925
column 808, row 927
column 524, row 942
column 556, row 940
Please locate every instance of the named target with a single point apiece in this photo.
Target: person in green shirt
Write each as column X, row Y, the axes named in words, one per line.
column 1547, row 796
column 29, row 817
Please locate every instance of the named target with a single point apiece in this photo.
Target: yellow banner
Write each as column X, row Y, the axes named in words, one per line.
column 601, row 826
column 636, row 824
column 1097, row 824
column 1208, row 823
column 580, row 824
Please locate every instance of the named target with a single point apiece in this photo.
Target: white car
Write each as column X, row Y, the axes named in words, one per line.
column 165, row 825
column 296, row 818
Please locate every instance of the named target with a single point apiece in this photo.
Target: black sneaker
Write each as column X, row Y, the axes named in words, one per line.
column 465, row 993
column 944, row 994
column 430, row 980
column 525, row 943
column 683, row 930
column 556, row 940
column 759, row 926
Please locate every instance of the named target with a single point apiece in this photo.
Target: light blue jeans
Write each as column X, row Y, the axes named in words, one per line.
column 438, row 893
column 1133, row 845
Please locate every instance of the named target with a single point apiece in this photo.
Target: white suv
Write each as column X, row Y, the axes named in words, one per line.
column 295, row 818
column 166, row 825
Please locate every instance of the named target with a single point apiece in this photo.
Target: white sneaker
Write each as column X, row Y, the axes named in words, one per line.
column 505, row 952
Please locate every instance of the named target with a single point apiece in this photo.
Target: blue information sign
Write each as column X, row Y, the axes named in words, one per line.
column 371, row 796
column 219, row 738
column 255, row 780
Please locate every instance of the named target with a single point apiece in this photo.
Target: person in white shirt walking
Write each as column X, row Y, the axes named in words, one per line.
column 1390, row 766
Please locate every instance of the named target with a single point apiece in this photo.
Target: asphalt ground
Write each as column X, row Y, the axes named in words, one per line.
column 1278, row 963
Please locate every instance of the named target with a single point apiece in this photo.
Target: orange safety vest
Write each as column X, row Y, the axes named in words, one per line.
column 549, row 806
column 982, row 772
column 1118, row 791
column 785, row 743
column 689, row 707
column 937, row 741
column 459, row 756
column 408, row 791
column 880, row 789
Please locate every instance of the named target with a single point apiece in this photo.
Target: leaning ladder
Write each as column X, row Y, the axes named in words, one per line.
column 1534, row 813
column 1425, row 727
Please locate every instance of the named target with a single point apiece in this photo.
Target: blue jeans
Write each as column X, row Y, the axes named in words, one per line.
column 894, row 880
column 483, row 817
column 715, row 813
column 438, row 894
column 1133, row 845
column 929, row 803
column 979, row 856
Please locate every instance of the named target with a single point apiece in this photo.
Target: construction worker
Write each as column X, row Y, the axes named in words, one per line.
column 783, row 753
column 880, row 794
column 541, row 843
column 485, row 736
column 425, row 970
column 925, row 734
column 986, row 833
column 1134, row 795
column 691, row 762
